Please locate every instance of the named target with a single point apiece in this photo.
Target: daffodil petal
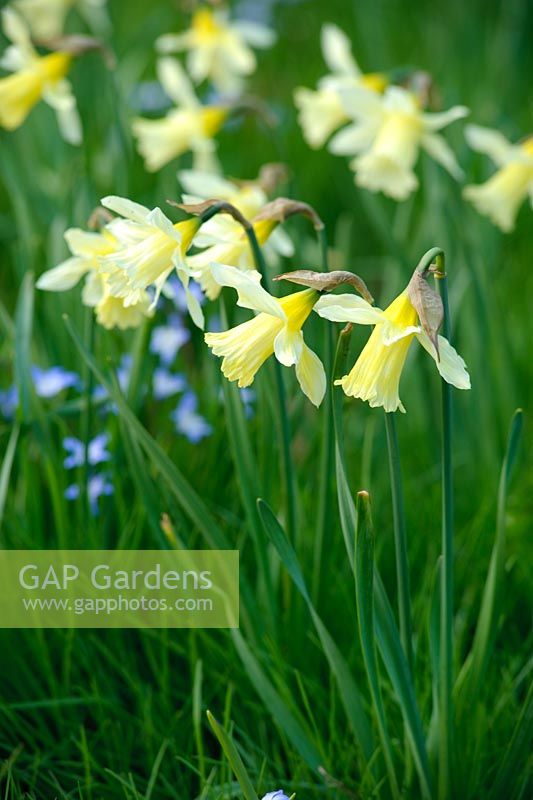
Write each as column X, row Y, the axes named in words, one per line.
column 126, row 208
column 205, row 184
column 311, row 375
column 439, row 149
column 434, row 122
column 491, row 142
column 288, row 346
column 348, row 308
column 450, row 365
column 175, row 82
column 250, row 292
column 337, row 51
column 159, row 220
column 63, row 277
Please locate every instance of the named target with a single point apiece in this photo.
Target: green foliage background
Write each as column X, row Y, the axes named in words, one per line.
column 121, row 714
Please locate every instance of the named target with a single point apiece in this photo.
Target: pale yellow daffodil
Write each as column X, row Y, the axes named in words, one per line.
column 322, row 111
column 501, row 196
column 218, row 49
column 190, row 126
column 234, row 252
column 277, row 329
column 87, row 249
column 35, row 78
column 150, row 248
column 375, row 377
column 46, row 18
column 386, row 137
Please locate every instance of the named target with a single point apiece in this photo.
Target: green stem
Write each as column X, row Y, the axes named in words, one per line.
column 446, row 609
column 87, row 411
column 281, row 397
column 400, row 540
column 326, row 459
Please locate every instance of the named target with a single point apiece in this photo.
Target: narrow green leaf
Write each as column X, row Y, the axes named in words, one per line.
column 232, row 754
column 272, row 700
column 350, row 694
column 23, row 329
column 516, row 755
column 5, row 472
column 364, row 593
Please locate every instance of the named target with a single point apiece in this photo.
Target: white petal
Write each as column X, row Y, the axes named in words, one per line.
column 159, row 220
column 255, row 34
column 281, row 242
column 439, row 149
column 250, row 292
column 434, row 122
column 15, row 29
column 492, row 143
column 348, row 308
column 352, row 140
column 311, row 375
column 175, row 82
column 449, row 363
column 205, row 184
column 391, row 333
column 361, row 103
column 337, row 50
column 288, row 346
column 64, row 276
column 126, row 208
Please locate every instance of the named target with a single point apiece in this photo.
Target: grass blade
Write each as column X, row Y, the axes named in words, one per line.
column 7, row 464
column 364, row 592
column 516, row 755
column 23, row 329
column 232, row 754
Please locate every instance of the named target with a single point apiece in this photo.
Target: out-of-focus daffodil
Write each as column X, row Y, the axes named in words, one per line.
column 234, row 252
column 188, row 126
column 219, row 49
column 375, row 377
column 386, row 136
column 501, row 196
column 277, row 329
column 46, row 18
column 35, row 78
column 150, row 248
column 87, row 249
column 322, row 112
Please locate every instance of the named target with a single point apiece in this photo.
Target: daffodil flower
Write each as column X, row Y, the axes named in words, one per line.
column 322, row 112
column 188, row 126
column 234, row 252
column 87, row 249
column 150, row 247
column 501, row 196
column 375, row 377
column 46, row 18
column 386, row 137
column 218, row 49
column 277, row 329
column 35, row 78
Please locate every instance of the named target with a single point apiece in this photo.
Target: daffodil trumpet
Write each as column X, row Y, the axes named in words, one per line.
column 417, row 312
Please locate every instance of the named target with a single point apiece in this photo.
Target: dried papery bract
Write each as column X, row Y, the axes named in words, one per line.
column 426, row 301
column 269, row 178
column 99, row 218
column 327, row 281
column 78, row 44
column 282, row 208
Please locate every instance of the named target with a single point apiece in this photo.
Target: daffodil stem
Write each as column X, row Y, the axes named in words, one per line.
column 282, row 398
column 87, row 411
column 400, row 540
column 326, row 460
column 446, row 595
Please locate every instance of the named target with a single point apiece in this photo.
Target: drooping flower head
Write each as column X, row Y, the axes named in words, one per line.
column 386, row 136
column 34, row 78
column 190, row 126
column 88, row 248
column 277, row 329
column 375, row 376
column 218, row 49
column 501, row 196
column 150, row 247
column 322, row 112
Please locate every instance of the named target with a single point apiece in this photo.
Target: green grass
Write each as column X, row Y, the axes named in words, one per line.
column 121, row 714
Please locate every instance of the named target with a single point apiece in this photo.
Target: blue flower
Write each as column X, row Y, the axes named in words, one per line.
column 50, row 382
column 187, row 421
column 165, row 383
column 166, row 340
column 98, row 486
column 277, row 795
column 97, row 452
column 9, row 400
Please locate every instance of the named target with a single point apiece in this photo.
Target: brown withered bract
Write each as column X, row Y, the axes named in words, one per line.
column 282, row 208
column 427, row 304
column 327, row 281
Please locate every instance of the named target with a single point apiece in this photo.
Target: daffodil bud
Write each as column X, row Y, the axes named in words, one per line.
column 327, row 281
